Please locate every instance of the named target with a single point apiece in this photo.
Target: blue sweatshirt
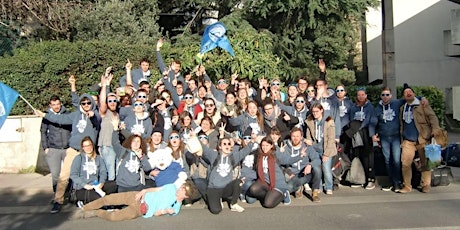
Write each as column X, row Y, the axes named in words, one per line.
column 385, row 120
column 85, row 170
column 297, row 167
column 222, row 174
column 362, row 113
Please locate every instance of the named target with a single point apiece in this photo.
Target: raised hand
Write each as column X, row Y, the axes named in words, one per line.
column 128, row 65
column 159, row 44
column 322, row 65
column 72, row 79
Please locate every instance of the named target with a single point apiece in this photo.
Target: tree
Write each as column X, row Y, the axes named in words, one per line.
column 132, row 21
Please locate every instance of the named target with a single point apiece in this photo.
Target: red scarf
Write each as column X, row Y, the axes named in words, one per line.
column 271, row 170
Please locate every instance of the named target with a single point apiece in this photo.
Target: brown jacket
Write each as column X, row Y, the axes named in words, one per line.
column 329, row 147
column 425, row 120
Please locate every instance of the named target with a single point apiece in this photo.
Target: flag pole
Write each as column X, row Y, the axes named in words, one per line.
column 26, row 102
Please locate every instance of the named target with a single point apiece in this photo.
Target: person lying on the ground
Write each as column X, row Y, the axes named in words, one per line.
column 165, row 200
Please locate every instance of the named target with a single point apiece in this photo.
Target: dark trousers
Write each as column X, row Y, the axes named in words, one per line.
column 229, row 193
column 89, row 195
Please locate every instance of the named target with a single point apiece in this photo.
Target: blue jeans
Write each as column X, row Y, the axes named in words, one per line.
column 317, row 177
column 297, row 181
column 109, row 156
column 327, row 174
column 392, row 145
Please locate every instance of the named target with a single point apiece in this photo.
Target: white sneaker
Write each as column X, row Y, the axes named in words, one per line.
column 236, row 208
column 370, row 185
column 306, row 187
column 80, row 204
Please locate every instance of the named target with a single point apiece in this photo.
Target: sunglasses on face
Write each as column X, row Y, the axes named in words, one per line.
column 138, row 104
column 142, row 96
column 209, row 105
column 310, row 91
column 202, row 137
column 385, row 94
column 222, row 82
column 247, row 138
column 175, row 137
column 276, row 84
column 85, row 103
column 112, row 101
column 339, row 90
column 188, row 97
column 299, row 101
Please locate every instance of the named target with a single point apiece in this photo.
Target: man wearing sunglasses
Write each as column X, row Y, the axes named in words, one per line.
column 110, row 123
column 85, row 122
column 385, row 128
column 219, row 91
column 299, row 110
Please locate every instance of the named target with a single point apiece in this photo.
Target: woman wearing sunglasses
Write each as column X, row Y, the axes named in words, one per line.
column 210, row 110
column 221, row 184
column 344, row 105
column 298, row 109
column 190, row 104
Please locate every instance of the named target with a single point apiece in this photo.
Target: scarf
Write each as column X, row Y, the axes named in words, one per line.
column 271, row 170
column 271, row 120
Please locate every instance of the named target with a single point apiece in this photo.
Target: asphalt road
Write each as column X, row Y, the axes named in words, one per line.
column 347, row 209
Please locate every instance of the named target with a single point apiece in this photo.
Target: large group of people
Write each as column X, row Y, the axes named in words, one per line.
column 255, row 143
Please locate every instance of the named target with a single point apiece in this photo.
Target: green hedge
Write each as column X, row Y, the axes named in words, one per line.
column 40, row 70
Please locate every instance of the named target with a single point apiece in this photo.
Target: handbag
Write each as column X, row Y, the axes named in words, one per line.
column 356, row 174
column 433, row 155
column 357, row 140
column 441, row 176
column 451, row 155
column 73, row 196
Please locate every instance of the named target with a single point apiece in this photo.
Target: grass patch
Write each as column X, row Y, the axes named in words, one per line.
column 28, row 170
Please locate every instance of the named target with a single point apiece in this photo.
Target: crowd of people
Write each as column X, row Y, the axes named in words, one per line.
column 254, row 143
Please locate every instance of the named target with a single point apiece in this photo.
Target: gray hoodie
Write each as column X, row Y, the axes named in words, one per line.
column 82, row 125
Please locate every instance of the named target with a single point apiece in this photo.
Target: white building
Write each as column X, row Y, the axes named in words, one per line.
column 422, row 56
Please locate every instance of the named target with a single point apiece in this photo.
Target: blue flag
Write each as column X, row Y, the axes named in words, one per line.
column 8, row 97
column 214, row 36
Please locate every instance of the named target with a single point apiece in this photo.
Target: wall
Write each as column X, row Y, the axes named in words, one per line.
column 419, row 46
column 22, row 149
